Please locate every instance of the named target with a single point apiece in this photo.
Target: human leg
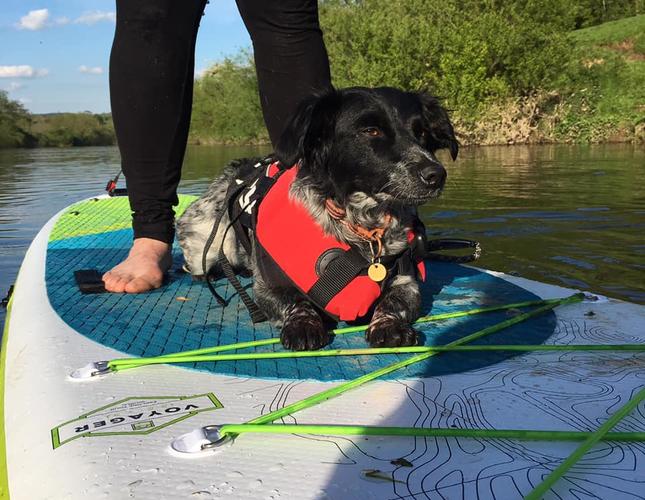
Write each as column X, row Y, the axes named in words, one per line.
column 151, row 78
column 290, row 56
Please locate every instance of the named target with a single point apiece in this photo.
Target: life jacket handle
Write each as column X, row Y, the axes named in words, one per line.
column 434, row 245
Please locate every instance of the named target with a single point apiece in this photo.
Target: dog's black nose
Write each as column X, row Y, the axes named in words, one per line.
column 433, row 175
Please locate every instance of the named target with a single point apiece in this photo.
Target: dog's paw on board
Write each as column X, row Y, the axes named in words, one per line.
column 391, row 332
column 303, row 329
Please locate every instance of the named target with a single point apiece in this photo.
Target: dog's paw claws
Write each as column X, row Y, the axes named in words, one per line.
column 391, row 333
column 304, row 335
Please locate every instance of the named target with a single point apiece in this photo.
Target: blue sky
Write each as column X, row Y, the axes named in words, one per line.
column 55, row 53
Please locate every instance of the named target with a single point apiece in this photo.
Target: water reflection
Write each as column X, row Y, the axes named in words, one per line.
column 568, row 215
column 203, row 163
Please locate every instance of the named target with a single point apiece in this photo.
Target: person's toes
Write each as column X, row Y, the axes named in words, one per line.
column 139, row 285
column 109, row 279
column 142, row 270
column 115, row 283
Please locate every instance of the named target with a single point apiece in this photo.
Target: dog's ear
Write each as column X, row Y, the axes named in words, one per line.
column 309, row 133
column 438, row 124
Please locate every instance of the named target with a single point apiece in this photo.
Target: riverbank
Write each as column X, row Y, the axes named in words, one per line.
column 606, row 104
column 21, row 129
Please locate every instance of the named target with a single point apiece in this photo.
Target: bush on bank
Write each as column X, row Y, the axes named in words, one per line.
column 226, row 107
column 19, row 128
column 14, row 123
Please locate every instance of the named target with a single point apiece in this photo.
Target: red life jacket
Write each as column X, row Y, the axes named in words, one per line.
column 293, row 244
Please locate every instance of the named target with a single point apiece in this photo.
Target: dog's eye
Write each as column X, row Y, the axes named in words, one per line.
column 423, row 135
column 373, row 132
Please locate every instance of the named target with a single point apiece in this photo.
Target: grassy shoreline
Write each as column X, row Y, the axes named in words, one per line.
column 606, row 104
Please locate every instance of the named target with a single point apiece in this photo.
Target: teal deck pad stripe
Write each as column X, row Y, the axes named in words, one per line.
column 182, row 315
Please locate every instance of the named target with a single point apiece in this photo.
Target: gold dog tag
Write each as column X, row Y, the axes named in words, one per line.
column 377, row 272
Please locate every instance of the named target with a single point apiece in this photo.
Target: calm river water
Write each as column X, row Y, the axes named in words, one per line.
column 567, row 215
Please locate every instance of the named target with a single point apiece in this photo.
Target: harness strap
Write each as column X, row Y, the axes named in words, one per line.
column 207, row 246
column 257, row 316
column 336, row 276
column 243, row 215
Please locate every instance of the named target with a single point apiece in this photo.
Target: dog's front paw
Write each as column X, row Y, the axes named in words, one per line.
column 390, row 332
column 304, row 330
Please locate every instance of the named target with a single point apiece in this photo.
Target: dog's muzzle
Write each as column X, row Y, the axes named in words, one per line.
column 432, row 175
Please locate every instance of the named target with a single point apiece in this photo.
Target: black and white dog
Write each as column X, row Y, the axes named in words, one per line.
column 370, row 155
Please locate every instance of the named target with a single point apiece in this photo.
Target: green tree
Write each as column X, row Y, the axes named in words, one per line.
column 226, row 106
column 14, row 122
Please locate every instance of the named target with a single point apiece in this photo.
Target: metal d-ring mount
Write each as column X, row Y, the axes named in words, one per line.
column 102, row 367
column 93, row 369
column 200, row 440
column 212, row 434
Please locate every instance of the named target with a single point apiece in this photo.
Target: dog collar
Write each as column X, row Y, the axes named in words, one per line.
column 375, row 235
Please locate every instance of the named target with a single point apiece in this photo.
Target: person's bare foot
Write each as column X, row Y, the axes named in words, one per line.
column 142, row 270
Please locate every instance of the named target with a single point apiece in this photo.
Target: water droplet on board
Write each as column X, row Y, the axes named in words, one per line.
column 153, row 470
column 136, row 483
column 201, row 494
column 186, row 485
column 234, row 474
column 256, row 485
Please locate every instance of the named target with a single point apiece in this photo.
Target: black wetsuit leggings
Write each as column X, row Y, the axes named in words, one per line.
column 151, row 88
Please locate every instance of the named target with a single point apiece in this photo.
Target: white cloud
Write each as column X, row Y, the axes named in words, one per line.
column 38, row 19
column 21, row 71
column 95, row 16
column 97, row 70
column 34, row 20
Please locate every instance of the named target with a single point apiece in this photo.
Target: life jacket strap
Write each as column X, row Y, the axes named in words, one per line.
column 336, row 276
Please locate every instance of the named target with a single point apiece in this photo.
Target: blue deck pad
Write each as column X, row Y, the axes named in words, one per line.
column 160, row 322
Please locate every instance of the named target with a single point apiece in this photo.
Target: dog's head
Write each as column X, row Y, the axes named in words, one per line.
column 381, row 142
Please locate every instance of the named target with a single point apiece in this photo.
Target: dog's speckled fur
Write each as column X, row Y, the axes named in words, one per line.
column 372, row 152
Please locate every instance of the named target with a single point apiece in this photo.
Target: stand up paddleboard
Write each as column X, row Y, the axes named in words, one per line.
column 156, row 431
